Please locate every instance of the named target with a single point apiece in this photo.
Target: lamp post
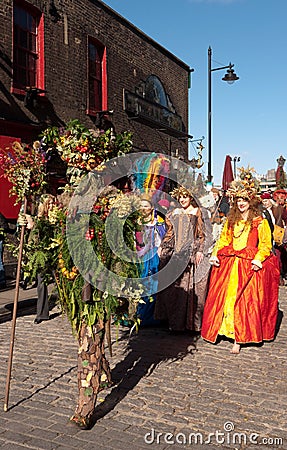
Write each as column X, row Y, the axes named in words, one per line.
column 230, row 77
column 235, row 160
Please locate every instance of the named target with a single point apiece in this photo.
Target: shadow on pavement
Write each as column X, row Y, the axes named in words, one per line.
column 144, row 353
column 25, row 307
column 279, row 322
column 43, row 388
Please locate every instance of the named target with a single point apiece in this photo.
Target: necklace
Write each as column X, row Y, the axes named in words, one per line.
column 146, row 220
column 239, row 232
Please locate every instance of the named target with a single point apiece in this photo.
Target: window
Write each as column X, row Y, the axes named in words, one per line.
column 97, row 77
column 28, row 48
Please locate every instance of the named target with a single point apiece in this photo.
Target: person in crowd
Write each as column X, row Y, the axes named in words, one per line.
column 280, row 196
column 218, row 212
column 47, row 203
column 186, row 247
column 148, row 240
column 242, row 301
column 276, row 214
column 267, row 211
column 162, row 207
column 221, row 201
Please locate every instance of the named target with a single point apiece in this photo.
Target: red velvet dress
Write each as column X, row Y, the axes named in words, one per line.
column 256, row 292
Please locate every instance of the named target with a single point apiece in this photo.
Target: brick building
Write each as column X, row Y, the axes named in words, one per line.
column 65, row 59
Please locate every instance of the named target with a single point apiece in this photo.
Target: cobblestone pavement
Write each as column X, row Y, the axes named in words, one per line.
column 167, row 388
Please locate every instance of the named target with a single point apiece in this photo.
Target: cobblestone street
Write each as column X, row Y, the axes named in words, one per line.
column 168, row 390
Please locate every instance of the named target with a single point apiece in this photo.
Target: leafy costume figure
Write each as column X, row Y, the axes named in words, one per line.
column 89, row 297
column 86, row 294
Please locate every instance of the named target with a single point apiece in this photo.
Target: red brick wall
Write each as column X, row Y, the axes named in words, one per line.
column 131, row 58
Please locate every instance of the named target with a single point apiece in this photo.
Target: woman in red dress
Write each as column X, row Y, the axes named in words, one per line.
column 242, row 301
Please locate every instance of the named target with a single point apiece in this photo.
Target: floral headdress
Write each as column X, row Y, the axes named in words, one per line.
column 246, row 187
column 181, row 191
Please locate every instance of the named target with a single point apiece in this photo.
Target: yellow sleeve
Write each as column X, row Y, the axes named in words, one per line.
column 225, row 239
column 264, row 244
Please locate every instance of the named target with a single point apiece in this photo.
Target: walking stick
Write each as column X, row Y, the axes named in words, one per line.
column 16, row 296
column 108, row 335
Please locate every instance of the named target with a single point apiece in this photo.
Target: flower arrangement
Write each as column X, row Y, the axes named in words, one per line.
column 247, row 186
column 40, row 254
column 85, row 150
column 125, row 204
column 24, row 166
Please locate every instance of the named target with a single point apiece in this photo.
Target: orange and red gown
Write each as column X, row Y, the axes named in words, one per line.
column 242, row 304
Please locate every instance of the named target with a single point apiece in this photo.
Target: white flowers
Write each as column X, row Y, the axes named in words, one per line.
column 125, row 204
column 53, row 215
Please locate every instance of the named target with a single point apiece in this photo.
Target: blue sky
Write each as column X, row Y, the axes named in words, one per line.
column 248, row 117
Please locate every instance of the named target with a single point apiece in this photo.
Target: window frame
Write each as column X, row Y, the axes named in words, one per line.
column 104, row 106
column 40, row 62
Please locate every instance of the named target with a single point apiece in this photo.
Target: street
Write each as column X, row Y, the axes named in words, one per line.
column 169, row 392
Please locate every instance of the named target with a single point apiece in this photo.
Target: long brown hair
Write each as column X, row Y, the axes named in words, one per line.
column 234, row 214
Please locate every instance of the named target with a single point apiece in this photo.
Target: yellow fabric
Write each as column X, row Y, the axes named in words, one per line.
column 227, row 326
column 265, row 241
column 227, row 237
column 241, row 230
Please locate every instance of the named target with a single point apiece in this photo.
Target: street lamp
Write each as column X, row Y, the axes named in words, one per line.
column 235, row 160
column 230, row 77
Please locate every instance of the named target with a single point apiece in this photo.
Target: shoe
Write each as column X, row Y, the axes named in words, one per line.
column 196, row 332
column 23, row 285
column 37, row 321
column 176, row 332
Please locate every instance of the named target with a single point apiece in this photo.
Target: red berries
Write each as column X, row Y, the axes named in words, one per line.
column 90, row 234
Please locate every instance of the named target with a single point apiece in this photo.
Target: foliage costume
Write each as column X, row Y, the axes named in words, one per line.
column 89, row 298
column 85, row 295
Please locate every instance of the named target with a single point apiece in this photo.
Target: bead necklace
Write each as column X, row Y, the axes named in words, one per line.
column 240, row 232
column 146, row 220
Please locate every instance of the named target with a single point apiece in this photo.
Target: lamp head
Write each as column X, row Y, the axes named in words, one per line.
column 230, row 76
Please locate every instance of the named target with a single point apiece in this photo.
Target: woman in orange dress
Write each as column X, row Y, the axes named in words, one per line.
column 242, row 301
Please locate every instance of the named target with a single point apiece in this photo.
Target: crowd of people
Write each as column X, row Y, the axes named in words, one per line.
column 232, row 264
column 231, row 258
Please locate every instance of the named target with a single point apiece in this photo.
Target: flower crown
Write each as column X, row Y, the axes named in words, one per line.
column 246, row 187
column 181, row 191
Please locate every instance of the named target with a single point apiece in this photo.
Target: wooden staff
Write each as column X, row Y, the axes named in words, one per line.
column 16, row 296
column 108, row 336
